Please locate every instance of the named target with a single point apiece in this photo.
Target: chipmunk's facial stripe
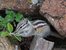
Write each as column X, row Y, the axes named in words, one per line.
column 40, row 25
column 39, row 21
column 21, row 26
column 26, row 26
column 22, row 23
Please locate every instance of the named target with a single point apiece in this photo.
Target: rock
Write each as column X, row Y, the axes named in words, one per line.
column 55, row 12
column 5, row 44
column 54, row 7
column 19, row 5
column 39, row 43
column 59, row 49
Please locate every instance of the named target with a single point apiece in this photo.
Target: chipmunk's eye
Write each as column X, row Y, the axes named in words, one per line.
column 21, row 27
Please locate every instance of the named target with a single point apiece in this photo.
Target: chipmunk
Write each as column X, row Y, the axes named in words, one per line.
column 28, row 28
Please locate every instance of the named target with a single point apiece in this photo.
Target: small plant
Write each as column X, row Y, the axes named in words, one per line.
column 6, row 26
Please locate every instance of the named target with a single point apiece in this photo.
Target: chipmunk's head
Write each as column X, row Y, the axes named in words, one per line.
column 24, row 28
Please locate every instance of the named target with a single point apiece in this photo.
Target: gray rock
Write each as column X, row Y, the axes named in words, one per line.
column 39, row 43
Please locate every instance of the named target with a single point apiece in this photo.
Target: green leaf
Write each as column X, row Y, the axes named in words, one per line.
column 14, row 39
column 10, row 15
column 9, row 27
column 10, row 12
column 9, row 18
column 4, row 34
column 4, row 23
column 18, row 17
column 1, row 23
column 18, row 38
column 0, row 33
column 1, row 18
